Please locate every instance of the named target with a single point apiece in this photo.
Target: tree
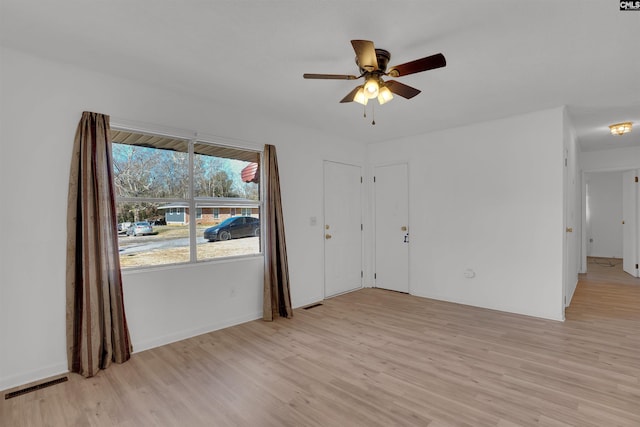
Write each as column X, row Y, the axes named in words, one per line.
column 248, row 190
column 149, row 172
column 204, row 180
column 175, row 175
column 134, row 170
column 223, row 185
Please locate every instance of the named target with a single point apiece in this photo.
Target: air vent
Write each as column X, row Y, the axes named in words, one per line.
column 35, row 387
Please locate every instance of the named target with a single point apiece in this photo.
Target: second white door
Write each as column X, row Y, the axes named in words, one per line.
column 391, row 184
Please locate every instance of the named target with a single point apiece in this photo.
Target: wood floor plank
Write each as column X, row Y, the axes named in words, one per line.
column 377, row 358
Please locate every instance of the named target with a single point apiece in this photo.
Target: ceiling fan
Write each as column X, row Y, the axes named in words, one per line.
column 372, row 64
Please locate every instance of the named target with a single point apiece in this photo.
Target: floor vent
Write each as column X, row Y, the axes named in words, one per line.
column 312, row 306
column 35, row 387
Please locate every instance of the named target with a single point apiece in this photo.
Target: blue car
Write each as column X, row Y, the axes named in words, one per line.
column 233, row 228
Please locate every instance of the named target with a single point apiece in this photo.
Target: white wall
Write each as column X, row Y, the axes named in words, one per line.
column 487, row 197
column 609, row 160
column 604, row 214
column 41, row 104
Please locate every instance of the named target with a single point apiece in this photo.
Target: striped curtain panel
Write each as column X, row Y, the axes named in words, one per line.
column 277, row 299
column 97, row 332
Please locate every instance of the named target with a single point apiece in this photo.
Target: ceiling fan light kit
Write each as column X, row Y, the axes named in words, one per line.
column 384, row 95
column 360, row 96
column 620, row 128
column 372, row 64
column 371, row 88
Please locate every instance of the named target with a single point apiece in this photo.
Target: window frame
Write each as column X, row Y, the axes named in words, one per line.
column 192, row 201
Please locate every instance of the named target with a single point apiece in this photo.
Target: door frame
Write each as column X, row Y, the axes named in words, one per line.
column 584, row 238
column 633, row 243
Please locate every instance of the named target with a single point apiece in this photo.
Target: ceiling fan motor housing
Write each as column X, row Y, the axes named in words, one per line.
column 382, row 56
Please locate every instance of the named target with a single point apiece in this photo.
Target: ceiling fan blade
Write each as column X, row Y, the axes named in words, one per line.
column 330, row 76
column 351, row 96
column 402, row 89
column 366, row 54
column 419, row 65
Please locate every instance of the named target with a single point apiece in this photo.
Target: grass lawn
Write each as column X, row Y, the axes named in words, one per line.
column 173, row 255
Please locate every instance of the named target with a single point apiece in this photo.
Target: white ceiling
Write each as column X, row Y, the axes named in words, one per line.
column 504, row 57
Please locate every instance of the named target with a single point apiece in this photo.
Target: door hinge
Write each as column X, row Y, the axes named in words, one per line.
column 360, row 180
column 636, row 266
column 374, row 179
column 361, row 274
column 636, row 179
column 361, row 227
column 375, row 276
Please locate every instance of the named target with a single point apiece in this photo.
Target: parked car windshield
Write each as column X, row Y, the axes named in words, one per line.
column 227, row 221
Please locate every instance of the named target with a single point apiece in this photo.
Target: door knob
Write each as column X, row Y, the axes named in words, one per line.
column 327, row 236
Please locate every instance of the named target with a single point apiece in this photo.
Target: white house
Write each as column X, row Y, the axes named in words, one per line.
column 210, row 213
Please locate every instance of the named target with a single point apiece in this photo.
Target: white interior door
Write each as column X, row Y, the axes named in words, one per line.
column 630, row 199
column 342, row 228
column 391, row 184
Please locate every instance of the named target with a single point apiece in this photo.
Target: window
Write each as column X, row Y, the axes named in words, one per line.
column 246, row 211
column 164, row 180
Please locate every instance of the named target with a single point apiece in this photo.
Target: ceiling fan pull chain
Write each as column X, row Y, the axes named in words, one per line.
column 373, row 113
column 364, row 109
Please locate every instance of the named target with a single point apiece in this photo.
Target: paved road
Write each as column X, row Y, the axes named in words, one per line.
column 131, row 244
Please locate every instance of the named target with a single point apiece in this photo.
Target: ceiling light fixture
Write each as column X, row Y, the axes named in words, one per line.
column 360, row 97
column 384, row 95
column 620, row 128
column 371, row 88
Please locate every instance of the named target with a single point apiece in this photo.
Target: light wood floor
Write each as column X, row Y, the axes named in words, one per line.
column 377, row 358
